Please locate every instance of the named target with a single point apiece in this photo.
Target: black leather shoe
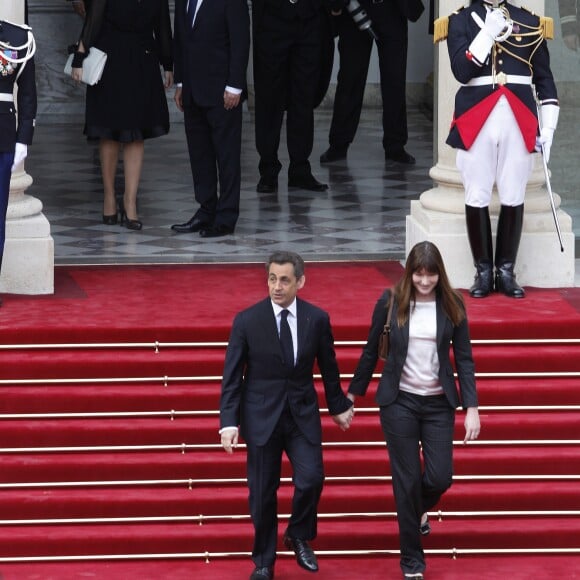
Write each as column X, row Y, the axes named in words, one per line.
column 305, row 557
column 267, row 185
column 265, row 573
column 193, row 225
column 505, row 282
column 216, row 231
column 307, row 182
column 333, row 154
column 399, row 156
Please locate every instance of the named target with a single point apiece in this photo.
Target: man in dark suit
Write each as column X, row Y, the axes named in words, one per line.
column 268, row 390
column 16, row 123
column 212, row 44
column 390, row 27
column 287, row 50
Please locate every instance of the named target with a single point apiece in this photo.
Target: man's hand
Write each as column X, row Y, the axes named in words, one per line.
column 344, row 419
column 230, row 439
column 168, row 79
column 231, row 100
column 472, row 425
column 178, row 98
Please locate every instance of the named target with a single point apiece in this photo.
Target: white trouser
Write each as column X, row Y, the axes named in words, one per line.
column 498, row 155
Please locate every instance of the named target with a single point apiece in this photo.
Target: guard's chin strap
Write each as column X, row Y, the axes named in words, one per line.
column 494, row 3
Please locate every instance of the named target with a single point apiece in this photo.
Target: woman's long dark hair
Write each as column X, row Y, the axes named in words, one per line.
column 426, row 256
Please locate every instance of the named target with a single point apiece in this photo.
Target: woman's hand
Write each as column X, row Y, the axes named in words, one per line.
column 472, row 425
column 77, row 74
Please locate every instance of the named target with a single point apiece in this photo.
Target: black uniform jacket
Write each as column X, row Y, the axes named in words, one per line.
column 473, row 104
column 256, row 385
column 447, row 333
column 11, row 132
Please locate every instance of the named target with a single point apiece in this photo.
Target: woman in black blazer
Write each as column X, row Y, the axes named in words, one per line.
column 417, row 394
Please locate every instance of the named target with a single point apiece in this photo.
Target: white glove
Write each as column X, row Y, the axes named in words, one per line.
column 20, row 153
column 495, row 23
column 548, row 123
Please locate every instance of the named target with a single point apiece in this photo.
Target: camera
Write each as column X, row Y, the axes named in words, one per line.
column 360, row 17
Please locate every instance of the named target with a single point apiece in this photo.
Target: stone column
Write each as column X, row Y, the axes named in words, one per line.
column 28, row 263
column 439, row 214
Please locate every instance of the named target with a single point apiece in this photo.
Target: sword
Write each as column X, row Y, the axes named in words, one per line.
column 547, row 173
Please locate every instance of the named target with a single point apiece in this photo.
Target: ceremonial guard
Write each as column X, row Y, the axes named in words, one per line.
column 16, row 68
column 499, row 54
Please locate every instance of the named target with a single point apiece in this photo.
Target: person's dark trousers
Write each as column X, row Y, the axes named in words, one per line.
column 392, row 51
column 354, row 47
column 410, row 420
column 214, row 141
column 6, row 161
column 286, row 69
column 264, row 469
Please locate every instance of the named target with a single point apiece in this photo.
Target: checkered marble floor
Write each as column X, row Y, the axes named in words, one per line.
column 361, row 216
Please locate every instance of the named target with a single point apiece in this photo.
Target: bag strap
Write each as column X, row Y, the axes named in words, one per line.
column 387, row 327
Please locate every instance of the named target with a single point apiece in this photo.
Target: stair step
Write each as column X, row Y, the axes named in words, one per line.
column 214, row 464
column 351, row 534
column 182, row 500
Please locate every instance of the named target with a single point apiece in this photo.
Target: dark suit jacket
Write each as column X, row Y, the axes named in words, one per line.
column 11, row 132
column 216, row 54
column 256, row 384
column 388, row 388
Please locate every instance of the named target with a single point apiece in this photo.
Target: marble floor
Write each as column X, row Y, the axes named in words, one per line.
column 361, row 216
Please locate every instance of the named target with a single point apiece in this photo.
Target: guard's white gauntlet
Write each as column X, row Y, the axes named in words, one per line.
column 548, row 123
column 20, row 153
column 492, row 29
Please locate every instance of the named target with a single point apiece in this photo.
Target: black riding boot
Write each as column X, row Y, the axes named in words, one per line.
column 479, row 234
column 509, row 232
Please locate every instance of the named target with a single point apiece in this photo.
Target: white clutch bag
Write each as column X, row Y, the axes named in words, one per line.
column 93, row 66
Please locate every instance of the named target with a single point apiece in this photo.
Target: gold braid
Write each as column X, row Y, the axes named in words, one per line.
column 536, row 33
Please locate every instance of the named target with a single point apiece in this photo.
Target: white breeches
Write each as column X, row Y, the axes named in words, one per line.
column 498, row 155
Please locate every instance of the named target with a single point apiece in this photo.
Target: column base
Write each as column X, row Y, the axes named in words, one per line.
column 28, row 263
column 539, row 263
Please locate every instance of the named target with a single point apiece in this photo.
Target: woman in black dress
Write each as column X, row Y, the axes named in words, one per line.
column 128, row 104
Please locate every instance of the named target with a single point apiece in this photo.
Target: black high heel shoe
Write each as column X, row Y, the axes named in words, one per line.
column 110, row 220
column 126, row 222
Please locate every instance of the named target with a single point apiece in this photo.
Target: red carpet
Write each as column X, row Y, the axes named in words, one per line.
column 144, row 445
column 170, row 302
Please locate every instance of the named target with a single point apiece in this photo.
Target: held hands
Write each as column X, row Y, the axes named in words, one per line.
column 20, row 153
column 472, row 425
column 229, row 439
column 344, row 419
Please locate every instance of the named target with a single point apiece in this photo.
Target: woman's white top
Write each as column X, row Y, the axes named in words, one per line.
column 420, row 374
